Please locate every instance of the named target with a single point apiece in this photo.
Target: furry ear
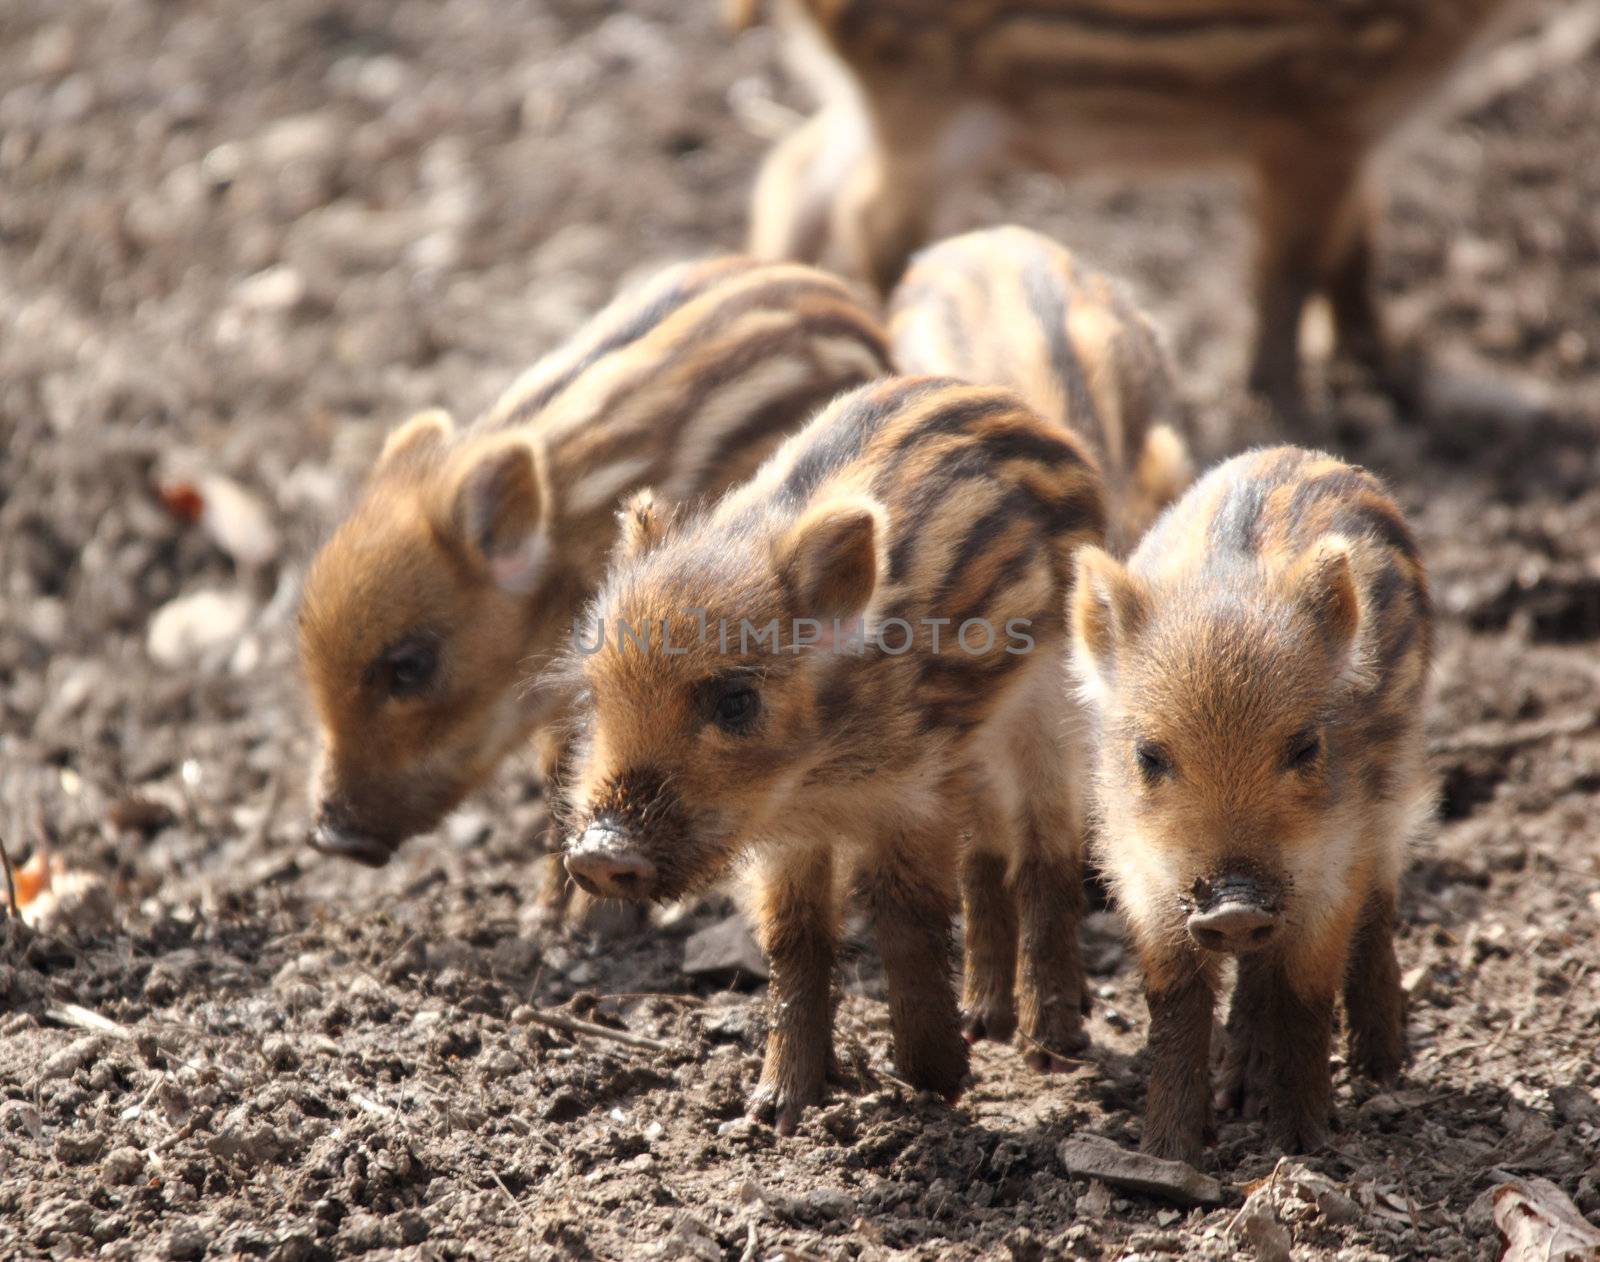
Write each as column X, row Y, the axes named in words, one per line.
column 498, row 508
column 422, row 438
column 641, row 523
column 1325, row 587
column 831, row 557
column 1109, row 608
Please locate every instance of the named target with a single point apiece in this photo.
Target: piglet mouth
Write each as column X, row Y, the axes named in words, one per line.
column 330, row 839
column 606, row 862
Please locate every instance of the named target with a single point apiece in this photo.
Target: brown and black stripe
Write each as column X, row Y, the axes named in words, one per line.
column 1268, row 507
column 1008, row 306
column 687, row 382
column 986, row 504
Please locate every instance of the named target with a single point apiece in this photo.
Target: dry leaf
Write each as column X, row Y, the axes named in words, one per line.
column 1540, row 1224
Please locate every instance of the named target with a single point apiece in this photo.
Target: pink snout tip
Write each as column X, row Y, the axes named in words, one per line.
column 601, row 861
column 1233, row 927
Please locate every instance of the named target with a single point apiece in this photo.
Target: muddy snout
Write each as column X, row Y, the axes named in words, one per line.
column 330, row 837
column 1234, row 915
column 606, row 862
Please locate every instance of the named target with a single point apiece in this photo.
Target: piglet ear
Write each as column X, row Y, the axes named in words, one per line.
column 421, row 439
column 498, row 506
column 831, row 557
column 641, row 523
column 1325, row 588
column 1109, row 609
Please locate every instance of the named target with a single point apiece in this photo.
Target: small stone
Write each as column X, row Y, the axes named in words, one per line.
column 17, row 1116
column 1095, row 1157
column 122, row 1165
column 279, row 288
column 725, row 952
column 825, row 1204
column 1417, row 982
column 74, row 1150
column 279, row 1053
column 184, row 1244
column 197, row 625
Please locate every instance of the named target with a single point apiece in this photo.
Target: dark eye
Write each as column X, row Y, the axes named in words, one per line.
column 407, row 668
column 1304, row 750
column 1154, row 762
column 734, row 706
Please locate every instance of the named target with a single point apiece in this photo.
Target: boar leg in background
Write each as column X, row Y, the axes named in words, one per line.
column 795, row 919
column 909, row 894
column 1374, row 1006
column 1047, row 883
column 989, row 923
column 1312, row 225
column 1181, row 996
column 1277, row 1056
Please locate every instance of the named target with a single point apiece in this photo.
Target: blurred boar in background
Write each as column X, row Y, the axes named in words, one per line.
column 1299, row 93
column 1009, row 307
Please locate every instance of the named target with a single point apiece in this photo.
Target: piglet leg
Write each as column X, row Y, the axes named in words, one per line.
column 910, row 897
column 1373, row 1002
column 1178, row 1112
column 795, row 922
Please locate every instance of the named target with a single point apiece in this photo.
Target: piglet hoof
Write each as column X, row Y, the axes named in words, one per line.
column 993, row 1019
column 1298, row 1136
column 1379, row 1056
column 1171, row 1144
column 1058, row 1045
column 782, row 1107
column 939, row 1066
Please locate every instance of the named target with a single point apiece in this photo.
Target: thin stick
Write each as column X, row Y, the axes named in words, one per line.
column 11, row 879
column 84, row 1019
column 574, row 1026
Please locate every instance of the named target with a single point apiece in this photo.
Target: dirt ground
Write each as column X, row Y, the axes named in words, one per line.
column 245, row 238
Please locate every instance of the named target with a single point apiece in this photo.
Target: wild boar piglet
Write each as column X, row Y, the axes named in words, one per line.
column 1257, row 673
column 469, row 554
column 834, row 674
column 1300, row 95
column 1009, row 307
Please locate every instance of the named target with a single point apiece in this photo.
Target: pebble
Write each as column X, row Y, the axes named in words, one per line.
column 196, row 625
column 122, row 1165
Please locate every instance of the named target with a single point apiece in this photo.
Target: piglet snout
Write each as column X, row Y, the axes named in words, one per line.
column 603, row 862
column 1233, row 925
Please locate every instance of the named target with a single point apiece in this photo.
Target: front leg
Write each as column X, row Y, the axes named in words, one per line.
column 796, row 926
column 909, row 893
column 1181, row 995
column 989, row 921
column 1277, row 1058
column 1374, row 1004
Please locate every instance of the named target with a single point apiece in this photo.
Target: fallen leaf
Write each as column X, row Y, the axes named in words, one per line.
column 1539, row 1223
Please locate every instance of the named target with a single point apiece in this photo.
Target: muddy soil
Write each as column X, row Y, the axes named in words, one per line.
column 246, row 239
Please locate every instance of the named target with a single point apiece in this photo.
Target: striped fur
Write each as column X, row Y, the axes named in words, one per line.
column 1007, row 306
column 470, row 553
column 906, row 502
column 1258, row 670
column 1298, row 93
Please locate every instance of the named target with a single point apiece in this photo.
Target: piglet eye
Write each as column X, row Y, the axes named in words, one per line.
column 733, row 705
column 1154, row 761
column 1304, row 750
column 407, row 668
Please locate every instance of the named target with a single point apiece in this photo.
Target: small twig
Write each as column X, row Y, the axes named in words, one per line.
column 11, row 879
column 572, row 1025
column 368, row 1105
column 84, row 1019
column 520, row 1211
